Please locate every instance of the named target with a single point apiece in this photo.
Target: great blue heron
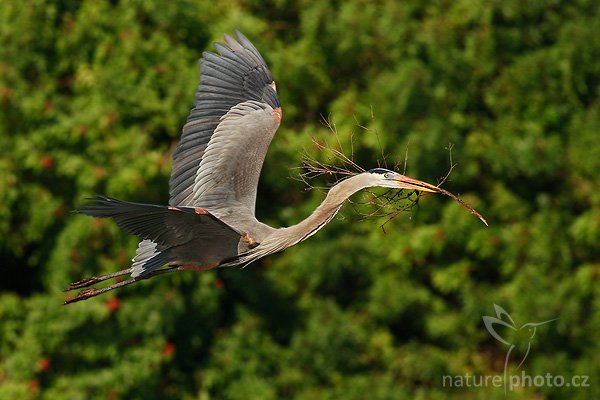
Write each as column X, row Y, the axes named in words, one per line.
column 210, row 220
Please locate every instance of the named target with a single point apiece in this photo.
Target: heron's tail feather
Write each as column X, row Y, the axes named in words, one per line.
column 148, row 258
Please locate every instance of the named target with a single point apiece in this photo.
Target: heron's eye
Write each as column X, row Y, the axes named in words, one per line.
column 387, row 175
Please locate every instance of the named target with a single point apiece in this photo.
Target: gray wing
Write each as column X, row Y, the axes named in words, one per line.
column 230, row 169
column 167, row 226
column 238, row 74
column 170, row 233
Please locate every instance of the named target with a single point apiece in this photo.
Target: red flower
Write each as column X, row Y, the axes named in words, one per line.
column 113, row 304
column 169, row 349
column 43, row 364
column 46, row 161
column 219, row 283
column 34, row 385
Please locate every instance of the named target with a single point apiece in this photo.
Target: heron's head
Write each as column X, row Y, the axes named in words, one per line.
column 390, row 179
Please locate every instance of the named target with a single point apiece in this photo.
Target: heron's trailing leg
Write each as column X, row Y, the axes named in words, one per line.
column 88, row 293
column 95, row 279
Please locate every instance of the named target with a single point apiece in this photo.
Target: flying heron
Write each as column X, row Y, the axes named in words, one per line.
column 210, row 219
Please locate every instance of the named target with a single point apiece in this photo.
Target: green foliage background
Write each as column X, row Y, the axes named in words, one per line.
column 92, row 98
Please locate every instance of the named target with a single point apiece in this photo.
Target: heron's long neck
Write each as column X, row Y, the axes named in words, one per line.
column 327, row 209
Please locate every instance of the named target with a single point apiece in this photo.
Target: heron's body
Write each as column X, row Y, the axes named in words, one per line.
column 210, row 218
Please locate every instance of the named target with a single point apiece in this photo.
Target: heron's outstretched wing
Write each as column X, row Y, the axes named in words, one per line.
column 165, row 226
column 170, row 234
column 229, row 171
column 237, row 76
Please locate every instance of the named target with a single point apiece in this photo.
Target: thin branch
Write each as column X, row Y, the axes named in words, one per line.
column 452, row 165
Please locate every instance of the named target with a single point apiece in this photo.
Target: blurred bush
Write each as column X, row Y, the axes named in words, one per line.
column 92, row 97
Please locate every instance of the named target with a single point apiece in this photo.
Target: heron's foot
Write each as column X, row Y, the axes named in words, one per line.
column 83, row 295
column 83, row 283
column 92, row 292
column 95, row 279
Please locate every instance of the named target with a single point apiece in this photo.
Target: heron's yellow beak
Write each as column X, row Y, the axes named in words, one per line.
column 407, row 182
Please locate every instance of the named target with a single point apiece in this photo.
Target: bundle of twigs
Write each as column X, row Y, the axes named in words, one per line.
column 391, row 203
